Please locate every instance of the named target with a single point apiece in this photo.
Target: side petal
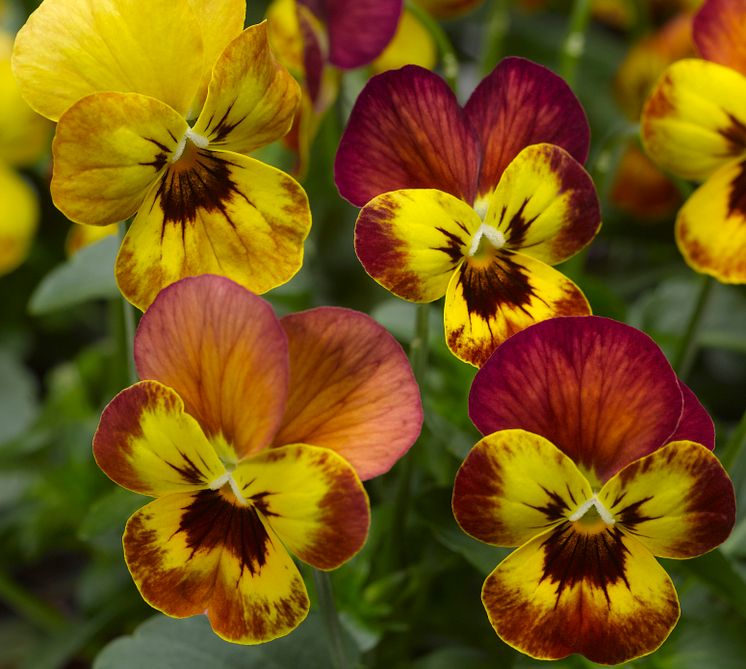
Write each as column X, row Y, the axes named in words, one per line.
column 678, row 502
column 410, row 241
column 599, row 390
column 711, row 225
column 601, row 595
column 521, row 103
column 222, row 349
column 406, row 130
column 68, row 50
column 692, row 123
column 252, row 98
column 224, row 214
column 489, row 300
column 718, row 32
column 695, row 424
column 19, row 218
column 205, row 553
column 108, row 150
column 147, row 443
column 351, row 389
column 545, row 205
column 514, row 485
column 312, row 498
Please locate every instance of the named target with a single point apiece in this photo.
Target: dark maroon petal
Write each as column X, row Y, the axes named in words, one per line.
column 695, row 424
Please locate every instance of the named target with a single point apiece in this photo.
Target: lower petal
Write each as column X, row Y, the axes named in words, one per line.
column 488, row 301
column 602, row 595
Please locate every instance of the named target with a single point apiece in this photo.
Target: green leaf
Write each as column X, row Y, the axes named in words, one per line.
column 109, row 513
column 448, row 658
column 88, row 275
column 18, row 403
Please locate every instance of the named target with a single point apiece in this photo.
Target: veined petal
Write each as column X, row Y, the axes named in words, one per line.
column 545, row 205
column 411, row 241
column 223, row 350
column 718, row 32
column 351, row 389
column 407, row 130
column 69, row 49
column 513, row 485
column 312, row 498
column 252, row 98
column 599, row 390
column 108, row 150
column 220, row 213
column 19, row 218
column 695, row 423
column 489, row 300
column 206, row 553
column 412, row 43
column 694, row 122
column 711, row 225
column 678, row 501
column 522, row 103
column 599, row 594
column 147, row 443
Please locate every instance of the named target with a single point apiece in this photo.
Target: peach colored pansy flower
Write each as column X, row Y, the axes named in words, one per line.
column 694, row 125
column 124, row 78
column 596, row 459
column 474, row 203
column 252, row 433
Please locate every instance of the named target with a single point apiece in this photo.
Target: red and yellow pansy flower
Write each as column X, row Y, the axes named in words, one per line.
column 252, row 433
column 694, row 125
column 596, row 459
column 157, row 103
column 474, row 203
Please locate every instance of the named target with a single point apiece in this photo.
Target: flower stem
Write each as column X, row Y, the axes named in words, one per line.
column 128, row 314
column 574, row 45
column 445, row 48
column 324, row 592
column 685, row 353
column 497, row 27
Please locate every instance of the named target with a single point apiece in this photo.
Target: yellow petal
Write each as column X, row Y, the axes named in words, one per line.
column 285, row 34
column 80, row 236
column 19, row 217
column 411, row 44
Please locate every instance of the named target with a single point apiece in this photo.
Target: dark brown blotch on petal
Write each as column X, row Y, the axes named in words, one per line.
column 737, row 195
column 735, row 133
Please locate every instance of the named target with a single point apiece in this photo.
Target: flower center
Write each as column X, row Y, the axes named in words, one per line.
column 590, row 511
column 486, row 234
column 188, row 145
column 219, row 482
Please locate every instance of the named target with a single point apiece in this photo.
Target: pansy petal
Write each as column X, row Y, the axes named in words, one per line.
column 514, row 485
column 522, row 103
column 718, row 32
column 101, row 176
column 694, row 121
column 70, row 49
column 312, row 499
column 252, row 98
column 711, row 225
column 545, row 204
column 407, row 130
column 410, row 241
column 351, row 389
column 412, row 44
column 489, row 300
column 601, row 391
column 223, row 213
column 205, row 553
column 678, row 501
column 695, row 424
column 599, row 594
column 147, row 443
column 223, row 350
column 19, row 218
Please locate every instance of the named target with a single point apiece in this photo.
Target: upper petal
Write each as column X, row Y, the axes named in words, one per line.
column 545, row 204
column 695, row 119
column 677, row 501
column 147, row 443
column 407, row 130
column 718, row 31
column 251, row 99
column 71, row 48
column 222, row 213
column 513, row 485
column 601, row 391
column 351, row 389
column 222, row 349
column 521, row 103
column 695, row 423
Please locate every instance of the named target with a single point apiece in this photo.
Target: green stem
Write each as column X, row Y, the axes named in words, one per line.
column 574, row 45
column 325, row 594
column 128, row 314
column 685, row 353
column 32, row 609
column 445, row 48
column 497, row 27
column 734, row 445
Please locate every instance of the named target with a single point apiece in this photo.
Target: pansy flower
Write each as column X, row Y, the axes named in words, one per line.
column 124, row 80
column 694, row 125
column 596, row 459
column 473, row 203
column 252, row 433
